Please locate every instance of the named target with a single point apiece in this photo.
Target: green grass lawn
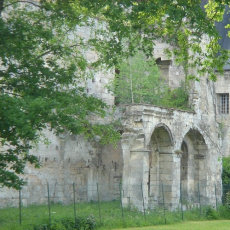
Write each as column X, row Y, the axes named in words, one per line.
column 110, row 217
column 194, row 225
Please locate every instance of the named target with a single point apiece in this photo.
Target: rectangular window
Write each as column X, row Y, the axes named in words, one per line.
column 224, row 103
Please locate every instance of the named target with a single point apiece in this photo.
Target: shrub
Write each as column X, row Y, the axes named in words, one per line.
column 227, row 199
column 211, row 214
column 226, row 170
column 85, row 224
column 69, row 224
column 176, row 98
column 224, row 212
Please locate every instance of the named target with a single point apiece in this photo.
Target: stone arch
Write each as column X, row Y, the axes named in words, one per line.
column 165, row 128
column 184, row 169
column 160, row 165
column 193, row 167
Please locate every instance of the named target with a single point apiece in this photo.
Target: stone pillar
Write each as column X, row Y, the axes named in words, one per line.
column 126, row 169
column 139, row 177
column 176, row 182
column 201, row 177
column 165, row 177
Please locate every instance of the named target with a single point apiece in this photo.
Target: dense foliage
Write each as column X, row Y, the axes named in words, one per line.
column 192, row 36
column 226, row 170
column 138, row 80
column 176, row 98
column 42, row 79
column 69, row 224
column 44, row 66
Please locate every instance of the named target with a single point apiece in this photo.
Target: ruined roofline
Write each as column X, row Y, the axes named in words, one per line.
column 157, row 106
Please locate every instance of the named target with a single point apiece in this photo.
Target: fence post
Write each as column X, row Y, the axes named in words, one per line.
column 74, row 204
column 48, row 190
column 216, row 196
column 181, row 201
column 20, row 207
column 199, row 196
column 163, row 197
column 122, row 212
column 98, row 200
column 143, row 201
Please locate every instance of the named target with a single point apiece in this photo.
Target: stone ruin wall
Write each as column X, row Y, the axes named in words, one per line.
column 222, row 86
column 153, row 149
column 67, row 160
column 172, row 74
column 156, row 140
column 71, row 159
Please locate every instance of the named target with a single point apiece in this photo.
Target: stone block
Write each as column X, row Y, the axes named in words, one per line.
column 166, row 178
column 167, row 188
column 166, row 170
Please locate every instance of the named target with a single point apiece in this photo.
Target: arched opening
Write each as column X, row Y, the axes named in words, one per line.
column 184, row 170
column 193, row 167
column 160, row 166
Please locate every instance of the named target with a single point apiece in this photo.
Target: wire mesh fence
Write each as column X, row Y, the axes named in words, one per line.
column 101, row 204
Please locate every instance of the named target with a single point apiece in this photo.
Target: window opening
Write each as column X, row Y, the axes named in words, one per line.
column 224, row 103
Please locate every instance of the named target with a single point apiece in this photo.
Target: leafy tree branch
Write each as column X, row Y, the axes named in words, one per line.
column 43, row 65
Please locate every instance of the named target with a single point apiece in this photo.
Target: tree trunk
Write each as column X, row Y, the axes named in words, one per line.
column 131, row 81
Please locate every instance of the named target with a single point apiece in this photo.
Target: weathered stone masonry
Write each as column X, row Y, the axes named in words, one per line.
column 171, row 147
column 158, row 146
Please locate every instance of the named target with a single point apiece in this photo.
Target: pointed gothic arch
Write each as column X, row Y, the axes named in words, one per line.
column 193, row 167
column 160, row 164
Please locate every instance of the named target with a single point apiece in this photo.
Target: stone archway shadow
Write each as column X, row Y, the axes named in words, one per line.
column 160, row 180
column 193, row 168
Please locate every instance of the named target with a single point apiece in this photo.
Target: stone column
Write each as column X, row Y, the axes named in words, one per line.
column 139, row 177
column 176, row 182
column 126, row 169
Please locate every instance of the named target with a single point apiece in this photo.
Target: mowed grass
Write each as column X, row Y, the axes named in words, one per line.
column 194, row 225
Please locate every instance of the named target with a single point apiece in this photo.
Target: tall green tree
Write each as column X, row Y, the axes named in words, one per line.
column 193, row 36
column 42, row 75
column 138, row 81
column 43, row 64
